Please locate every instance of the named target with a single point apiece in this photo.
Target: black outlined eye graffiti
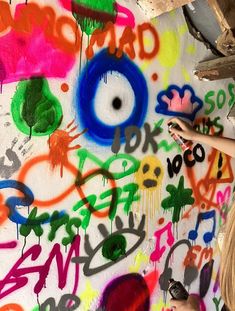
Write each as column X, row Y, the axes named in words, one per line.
column 113, row 247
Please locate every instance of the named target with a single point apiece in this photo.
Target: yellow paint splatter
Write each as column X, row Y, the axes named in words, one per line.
column 145, row 64
column 88, row 296
column 160, row 306
column 182, row 29
column 191, row 49
column 185, row 74
column 140, row 260
column 169, row 53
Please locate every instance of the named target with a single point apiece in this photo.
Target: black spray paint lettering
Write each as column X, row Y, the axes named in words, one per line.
column 68, row 302
column 133, row 137
column 197, row 155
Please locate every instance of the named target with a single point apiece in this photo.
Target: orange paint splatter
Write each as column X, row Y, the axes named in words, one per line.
column 161, row 221
column 64, row 87
column 11, row 307
column 59, row 143
column 154, row 76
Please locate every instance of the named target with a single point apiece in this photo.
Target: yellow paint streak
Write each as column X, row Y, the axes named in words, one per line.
column 191, row 49
column 185, row 74
column 140, row 260
column 87, row 296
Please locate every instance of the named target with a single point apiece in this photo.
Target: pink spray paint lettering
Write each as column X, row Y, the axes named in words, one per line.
column 16, row 278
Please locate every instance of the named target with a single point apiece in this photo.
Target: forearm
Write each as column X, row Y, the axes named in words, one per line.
column 223, row 144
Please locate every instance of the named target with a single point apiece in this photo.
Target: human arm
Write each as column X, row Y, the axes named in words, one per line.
column 191, row 304
column 223, row 144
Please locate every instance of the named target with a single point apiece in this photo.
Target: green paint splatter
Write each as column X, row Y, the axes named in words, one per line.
column 114, row 247
column 159, row 125
column 132, row 164
column 168, row 147
column 35, row 110
column 178, row 199
column 99, row 12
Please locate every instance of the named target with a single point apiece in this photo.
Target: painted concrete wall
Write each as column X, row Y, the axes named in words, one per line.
column 99, row 206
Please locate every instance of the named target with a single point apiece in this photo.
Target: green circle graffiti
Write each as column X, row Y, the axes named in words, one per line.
column 114, row 247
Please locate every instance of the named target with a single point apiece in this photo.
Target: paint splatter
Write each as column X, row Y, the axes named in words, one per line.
column 114, row 247
column 126, row 293
column 92, row 15
column 179, row 198
column 59, row 143
column 154, row 76
column 87, row 296
column 35, row 110
column 169, row 53
column 64, row 87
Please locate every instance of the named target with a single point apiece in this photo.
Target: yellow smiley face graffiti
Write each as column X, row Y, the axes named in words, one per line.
column 150, row 173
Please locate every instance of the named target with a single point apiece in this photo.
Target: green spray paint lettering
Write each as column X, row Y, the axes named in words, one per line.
column 179, row 198
column 34, row 223
column 127, row 200
column 35, row 111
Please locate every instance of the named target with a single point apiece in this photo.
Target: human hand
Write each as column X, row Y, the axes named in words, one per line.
column 191, row 304
column 186, row 130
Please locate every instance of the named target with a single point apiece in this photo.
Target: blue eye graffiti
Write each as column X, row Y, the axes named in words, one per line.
column 113, row 248
column 111, row 92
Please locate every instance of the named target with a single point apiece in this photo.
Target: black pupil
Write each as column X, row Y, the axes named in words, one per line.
column 117, row 103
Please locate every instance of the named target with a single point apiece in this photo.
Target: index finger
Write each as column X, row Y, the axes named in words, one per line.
column 177, row 121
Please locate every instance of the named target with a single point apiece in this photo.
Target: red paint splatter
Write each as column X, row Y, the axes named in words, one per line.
column 126, row 293
column 59, row 143
column 151, row 280
column 154, row 76
column 64, row 87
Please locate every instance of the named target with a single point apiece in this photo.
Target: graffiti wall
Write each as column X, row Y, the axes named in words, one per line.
column 99, row 206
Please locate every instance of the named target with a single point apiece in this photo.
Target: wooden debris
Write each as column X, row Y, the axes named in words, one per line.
column 153, row 8
column 216, row 69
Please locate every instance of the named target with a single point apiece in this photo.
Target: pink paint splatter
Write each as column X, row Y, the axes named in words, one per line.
column 66, row 4
column 26, row 55
column 124, row 16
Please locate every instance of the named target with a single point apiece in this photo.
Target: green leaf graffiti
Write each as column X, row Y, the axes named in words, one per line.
column 35, row 110
column 179, row 197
